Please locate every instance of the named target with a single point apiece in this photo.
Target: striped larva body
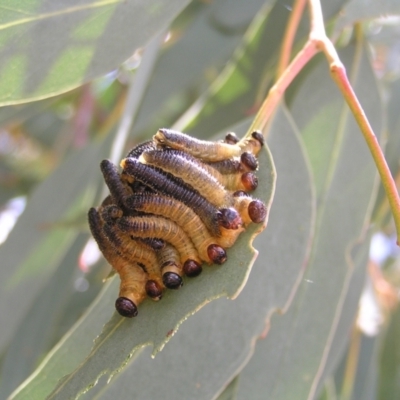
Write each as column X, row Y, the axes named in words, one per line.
column 205, row 178
column 138, row 251
column 132, row 288
column 161, row 182
column 171, row 267
column 183, row 216
column 192, row 173
column 202, row 149
column 177, row 202
column 151, row 226
column 119, row 190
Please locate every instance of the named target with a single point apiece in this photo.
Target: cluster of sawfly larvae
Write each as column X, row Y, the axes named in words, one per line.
column 177, row 203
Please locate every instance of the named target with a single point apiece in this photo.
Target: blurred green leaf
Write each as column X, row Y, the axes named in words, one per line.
column 200, row 50
column 35, row 335
column 44, row 232
column 233, row 95
column 50, row 47
column 389, row 363
column 358, row 10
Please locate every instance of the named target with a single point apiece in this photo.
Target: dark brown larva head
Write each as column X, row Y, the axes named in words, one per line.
column 192, row 268
column 257, row 135
column 172, row 280
column 257, row 211
column 126, row 307
column 216, row 254
column 153, row 290
column 249, row 160
column 249, row 181
column 229, row 218
column 231, row 138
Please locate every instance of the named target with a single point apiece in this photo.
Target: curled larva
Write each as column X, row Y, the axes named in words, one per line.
column 171, row 266
column 152, row 226
column 161, row 182
column 191, row 172
column 133, row 278
column 185, row 217
column 202, row 149
column 140, row 252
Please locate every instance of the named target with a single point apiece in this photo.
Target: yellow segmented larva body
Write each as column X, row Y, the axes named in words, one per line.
column 228, row 237
column 190, row 172
column 204, row 150
column 169, row 260
column 230, row 181
column 163, row 182
column 136, row 250
column 178, row 212
column 133, row 282
column 241, row 205
column 133, row 278
column 161, row 228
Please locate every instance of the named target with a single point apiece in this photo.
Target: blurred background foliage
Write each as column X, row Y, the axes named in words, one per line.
column 318, row 317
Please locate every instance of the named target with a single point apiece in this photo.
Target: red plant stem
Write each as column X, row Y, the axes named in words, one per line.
column 339, row 75
column 316, row 42
column 290, row 33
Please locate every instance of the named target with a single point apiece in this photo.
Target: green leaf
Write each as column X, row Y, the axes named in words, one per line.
column 43, row 233
column 217, row 347
column 36, row 333
column 48, row 48
column 212, row 33
column 389, row 383
column 157, row 322
column 358, row 10
column 296, row 349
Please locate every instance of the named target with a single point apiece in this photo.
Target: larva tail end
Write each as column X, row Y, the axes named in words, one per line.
column 229, row 218
column 257, row 135
column 126, row 307
column 257, row 211
column 153, row 290
column 172, row 280
column 192, row 268
column 231, row 138
column 249, row 181
column 216, row 254
column 249, row 160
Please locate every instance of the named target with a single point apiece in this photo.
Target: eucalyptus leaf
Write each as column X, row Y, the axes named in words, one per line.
column 35, row 334
column 389, row 361
column 43, row 233
column 219, row 338
column 358, row 10
column 50, row 47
